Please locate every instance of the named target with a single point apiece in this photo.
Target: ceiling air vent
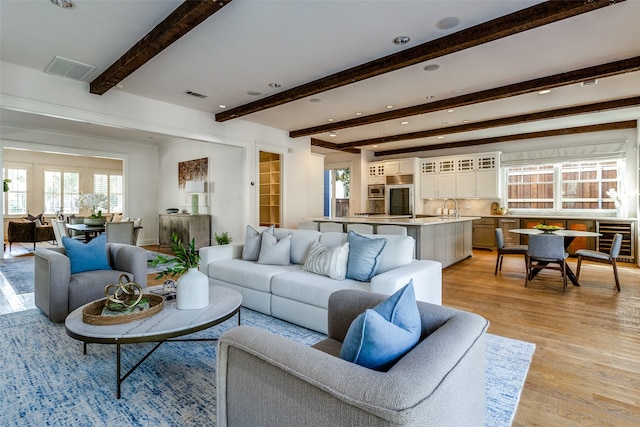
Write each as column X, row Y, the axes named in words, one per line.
column 68, row 68
column 196, row 94
column 589, row 82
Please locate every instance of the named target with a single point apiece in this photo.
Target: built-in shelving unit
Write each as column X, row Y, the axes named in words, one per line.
column 270, row 175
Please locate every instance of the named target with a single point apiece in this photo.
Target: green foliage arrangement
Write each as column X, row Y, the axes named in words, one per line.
column 6, row 184
column 223, row 239
column 186, row 257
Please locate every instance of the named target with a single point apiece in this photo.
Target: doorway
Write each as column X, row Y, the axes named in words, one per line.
column 337, row 190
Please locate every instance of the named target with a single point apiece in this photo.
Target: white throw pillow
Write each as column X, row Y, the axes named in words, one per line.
column 326, row 261
column 252, row 242
column 274, row 251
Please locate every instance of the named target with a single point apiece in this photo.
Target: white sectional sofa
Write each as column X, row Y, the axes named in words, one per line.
column 302, row 297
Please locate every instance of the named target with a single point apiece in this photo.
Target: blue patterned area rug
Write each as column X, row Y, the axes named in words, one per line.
column 19, row 271
column 46, row 380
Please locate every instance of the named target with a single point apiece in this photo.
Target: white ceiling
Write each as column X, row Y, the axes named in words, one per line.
column 251, row 43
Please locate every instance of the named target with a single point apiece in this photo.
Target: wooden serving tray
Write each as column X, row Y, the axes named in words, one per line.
column 92, row 313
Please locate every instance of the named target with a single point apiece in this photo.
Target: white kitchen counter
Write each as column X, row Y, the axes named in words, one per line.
column 444, row 239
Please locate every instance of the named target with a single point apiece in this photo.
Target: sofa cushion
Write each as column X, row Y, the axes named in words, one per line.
column 398, row 251
column 252, row 242
column 364, row 253
column 380, row 336
column 89, row 256
column 301, row 241
column 274, row 251
column 248, row 274
column 310, row 288
column 330, row 262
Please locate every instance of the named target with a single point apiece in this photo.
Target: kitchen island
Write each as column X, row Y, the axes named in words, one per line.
column 444, row 239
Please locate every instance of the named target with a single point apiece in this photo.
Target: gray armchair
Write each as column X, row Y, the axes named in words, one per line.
column 58, row 292
column 265, row 379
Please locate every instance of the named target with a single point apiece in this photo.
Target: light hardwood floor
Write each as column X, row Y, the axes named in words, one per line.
column 586, row 367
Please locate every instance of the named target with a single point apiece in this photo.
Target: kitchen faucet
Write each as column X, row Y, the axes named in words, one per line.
column 455, row 212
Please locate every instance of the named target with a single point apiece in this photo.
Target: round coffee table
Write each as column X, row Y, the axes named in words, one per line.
column 224, row 303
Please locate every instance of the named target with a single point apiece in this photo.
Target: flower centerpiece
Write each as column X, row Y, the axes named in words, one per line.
column 192, row 290
column 95, row 203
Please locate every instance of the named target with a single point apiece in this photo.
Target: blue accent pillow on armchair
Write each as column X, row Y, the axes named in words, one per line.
column 379, row 337
column 89, row 256
column 364, row 254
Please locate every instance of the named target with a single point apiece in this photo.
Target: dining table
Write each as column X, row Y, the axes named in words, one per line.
column 90, row 231
column 568, row 235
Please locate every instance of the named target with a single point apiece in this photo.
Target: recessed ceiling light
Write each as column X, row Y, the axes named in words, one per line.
column 544, row 92
column 315, row 100
column 275, row 85
column 465, row 121
column 333, row 134
column 441, row 137
column 448, row 23
column 66, row 4
column 254, row 93
column 358, row 113
column 330, row 119
column 401, row 40
column 374, row 146
column 431, row 67
column 389, row 107
column 430, row 96
column 450, row 110
column 222, row 106
column 404, row 123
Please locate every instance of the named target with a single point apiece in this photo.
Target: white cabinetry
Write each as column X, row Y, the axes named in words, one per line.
column 376, row 173
column 399, row 167
column 474, row 175
column 447, row 243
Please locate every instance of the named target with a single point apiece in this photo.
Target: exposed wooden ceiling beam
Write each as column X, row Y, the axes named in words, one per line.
column 186, row 17
column 504, row 121
column 526, row 19
column 549, row 82
column 332, row 146
column 628, row 124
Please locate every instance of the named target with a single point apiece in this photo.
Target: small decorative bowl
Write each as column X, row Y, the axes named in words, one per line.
column 172, row 210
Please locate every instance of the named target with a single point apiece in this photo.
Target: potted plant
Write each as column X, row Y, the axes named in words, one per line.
column 192, row 290
column 223, row 239
column 95, row 203
column 6, row 184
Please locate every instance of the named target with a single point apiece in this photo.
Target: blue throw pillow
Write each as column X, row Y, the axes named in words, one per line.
column 89, row 256
column 379, row 337
column 364, row 253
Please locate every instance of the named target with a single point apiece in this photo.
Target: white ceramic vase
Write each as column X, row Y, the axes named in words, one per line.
column 192, row 290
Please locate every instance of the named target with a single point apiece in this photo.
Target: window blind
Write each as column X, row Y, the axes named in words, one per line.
column 603, row 151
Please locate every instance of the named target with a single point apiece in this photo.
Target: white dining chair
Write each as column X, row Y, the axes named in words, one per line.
column 331, row 226
column 308, row 225
column 360, row 228
column 397, row 230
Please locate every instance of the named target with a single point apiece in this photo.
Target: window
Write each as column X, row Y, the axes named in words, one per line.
column 61, row 192
column 15, row 202
column 563, row 186
column 111, row 186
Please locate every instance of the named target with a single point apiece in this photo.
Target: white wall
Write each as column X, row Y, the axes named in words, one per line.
column 195, row 133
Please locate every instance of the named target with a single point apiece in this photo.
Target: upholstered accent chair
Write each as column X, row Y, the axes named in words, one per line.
column 603, row 257
column 507, row 250
column 267, row 379
column 58, row 292
column 547, row 251
column 29, row 231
